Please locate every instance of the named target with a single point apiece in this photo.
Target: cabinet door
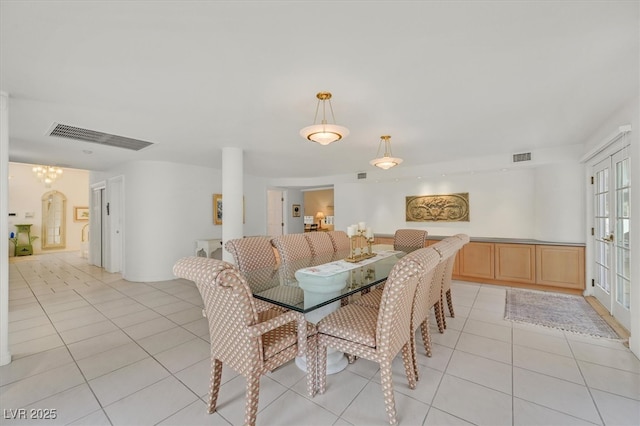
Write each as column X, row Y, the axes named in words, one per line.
column 516, row 263
column 476, row 260
column 560, row 266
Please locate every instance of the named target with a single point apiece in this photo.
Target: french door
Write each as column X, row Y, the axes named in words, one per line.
column 611, row 191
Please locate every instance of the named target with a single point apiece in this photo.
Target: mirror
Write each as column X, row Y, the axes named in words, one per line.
column 54, row 220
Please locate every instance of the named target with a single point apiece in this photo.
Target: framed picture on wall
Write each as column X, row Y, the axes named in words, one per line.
column 217, row 209
column 80, row 214
column 295, row 210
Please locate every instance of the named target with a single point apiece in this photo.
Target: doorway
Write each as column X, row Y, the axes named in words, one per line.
column 612, row 222
column 275, row 206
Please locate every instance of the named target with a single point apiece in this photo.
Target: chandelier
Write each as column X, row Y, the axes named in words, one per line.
column 324, row 133
column 387, row 161
column 47, row 174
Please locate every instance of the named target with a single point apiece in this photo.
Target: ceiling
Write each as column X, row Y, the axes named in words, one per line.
column 445, row 79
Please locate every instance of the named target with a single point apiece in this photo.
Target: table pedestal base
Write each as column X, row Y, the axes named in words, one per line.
column 318, row 289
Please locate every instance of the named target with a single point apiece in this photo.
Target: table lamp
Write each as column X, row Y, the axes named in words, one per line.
column 319, row 216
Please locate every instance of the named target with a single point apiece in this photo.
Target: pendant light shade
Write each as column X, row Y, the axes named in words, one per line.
column 324, row 133
column 387, row 161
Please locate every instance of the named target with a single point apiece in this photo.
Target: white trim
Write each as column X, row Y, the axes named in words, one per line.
column 622, row 130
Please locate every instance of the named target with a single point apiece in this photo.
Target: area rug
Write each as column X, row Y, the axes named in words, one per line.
column 554, row 310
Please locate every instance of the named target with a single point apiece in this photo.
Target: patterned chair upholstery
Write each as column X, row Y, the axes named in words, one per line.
column 256, row 259
column 377, row 334
column 250, row 342
column 409, row 239
column 428, row 295
column 446, row 282
column 320, row 243
column 295, row 253
column 340, row 240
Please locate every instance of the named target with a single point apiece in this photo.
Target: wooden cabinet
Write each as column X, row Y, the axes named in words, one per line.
column 518, row 264
column 560, row 266
column 477, row 260
column 535, row 266
column 515, row 262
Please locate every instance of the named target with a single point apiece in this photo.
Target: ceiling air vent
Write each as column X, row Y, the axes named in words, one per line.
column 86, row 135
column 525, row 156
column 362, row 175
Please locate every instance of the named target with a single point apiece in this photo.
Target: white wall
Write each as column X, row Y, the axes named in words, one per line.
column 501, row 204
column 168, row 206
column 25, row 194
column 559, row 203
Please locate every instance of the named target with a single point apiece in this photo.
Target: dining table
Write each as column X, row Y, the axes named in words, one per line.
column 317, row 285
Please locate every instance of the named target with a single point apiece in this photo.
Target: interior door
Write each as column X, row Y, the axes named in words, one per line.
column 275, row 220
column 611, row 187
column 95, row 227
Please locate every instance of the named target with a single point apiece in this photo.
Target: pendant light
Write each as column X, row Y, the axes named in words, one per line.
column 387, row 161
column 324, row 133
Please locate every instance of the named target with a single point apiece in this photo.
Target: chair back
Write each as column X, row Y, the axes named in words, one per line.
column 320, row 243
column 340, row 240
column 428, row 291
column 256, row 259
column 295, row 253
column 409, row 239
column 230, row 310
column 447, row 249
column 393, row 328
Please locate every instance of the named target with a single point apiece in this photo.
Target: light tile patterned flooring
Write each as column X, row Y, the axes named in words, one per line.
column 101, row 350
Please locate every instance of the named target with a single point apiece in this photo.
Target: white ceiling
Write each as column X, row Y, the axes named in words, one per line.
column 444, row 79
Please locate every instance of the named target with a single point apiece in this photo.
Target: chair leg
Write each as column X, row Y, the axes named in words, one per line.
column 312, row 365
column 386, row 381
column 214, row 386
column 410, row 364
column 252, row 398
column 321, row 371
column 450, row 303
column 414, row 356
column 437, row 307
column 426, row 336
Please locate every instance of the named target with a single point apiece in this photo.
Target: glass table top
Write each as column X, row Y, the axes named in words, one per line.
column 280, row 286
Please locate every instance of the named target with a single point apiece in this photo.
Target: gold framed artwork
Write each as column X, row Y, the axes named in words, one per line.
column 80, row 214
column 295, row 210
column 217, row 209
column 437, row 208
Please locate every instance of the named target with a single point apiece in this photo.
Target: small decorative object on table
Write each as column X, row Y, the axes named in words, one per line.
column 359, row 235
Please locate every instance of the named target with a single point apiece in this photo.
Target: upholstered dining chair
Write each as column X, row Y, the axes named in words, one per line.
column 340, row 240
column 295, row 253
column 428, row 295
column 409, row 239
column 255, row 258
column 320, row 243
column 377, row 334
column 250, row 342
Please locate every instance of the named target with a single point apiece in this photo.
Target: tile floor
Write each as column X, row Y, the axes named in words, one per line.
column 101, row 350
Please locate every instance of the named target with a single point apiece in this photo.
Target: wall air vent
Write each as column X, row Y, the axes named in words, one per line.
column 86, row 135
column 362, row 175
column 525, row 156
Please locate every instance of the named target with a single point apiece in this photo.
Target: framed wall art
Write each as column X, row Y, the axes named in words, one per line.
column 437, row 208
column 295, row 210
column 80, row 214
column 217, row 209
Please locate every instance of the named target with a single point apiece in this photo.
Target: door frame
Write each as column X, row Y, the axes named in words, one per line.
column 612, row 145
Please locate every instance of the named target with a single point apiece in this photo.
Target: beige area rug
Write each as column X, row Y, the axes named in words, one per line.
column 554, row 310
